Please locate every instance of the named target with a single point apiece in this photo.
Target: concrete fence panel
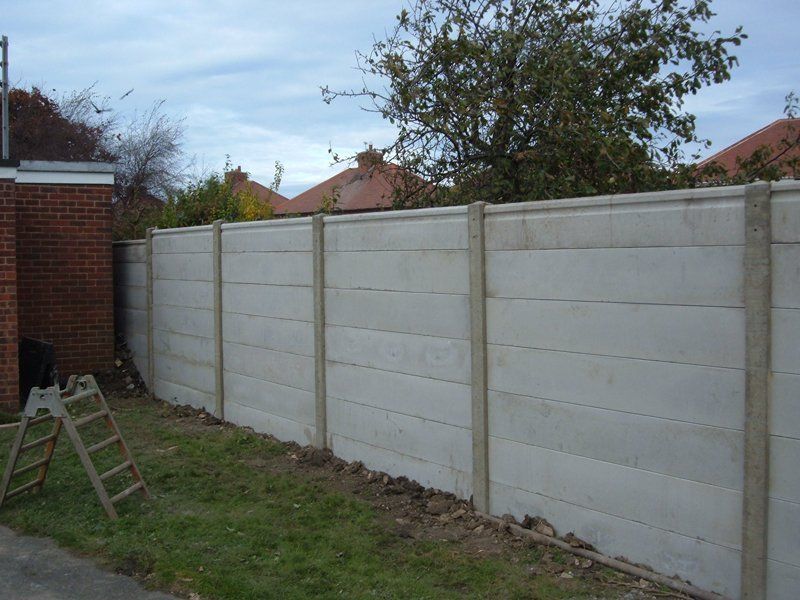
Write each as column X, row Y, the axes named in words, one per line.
column 268, row 327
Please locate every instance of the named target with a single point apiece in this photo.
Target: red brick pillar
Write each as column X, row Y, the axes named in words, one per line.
column 65, row 271
column 9, row 370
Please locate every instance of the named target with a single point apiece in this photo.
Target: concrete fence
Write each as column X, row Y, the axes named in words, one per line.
column 627, row 367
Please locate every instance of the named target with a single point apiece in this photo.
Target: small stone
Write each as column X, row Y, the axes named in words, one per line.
column 459, row 513
column 438, row 505
column 118, row 363
column 544, row 528
column 507, row 518
column 567, row 575
column 478, row 529
column 131, row 386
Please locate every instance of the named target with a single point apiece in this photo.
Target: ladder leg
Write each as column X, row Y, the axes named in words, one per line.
column 89, row 467
column 12, row 458
column 123, row 447
column 48, row 455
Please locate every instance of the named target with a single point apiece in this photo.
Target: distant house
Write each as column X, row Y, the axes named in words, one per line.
column 239, row 180
column 367, row 187
column 781, row 137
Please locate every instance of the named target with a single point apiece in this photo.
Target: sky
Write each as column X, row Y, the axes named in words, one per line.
column 245, row 75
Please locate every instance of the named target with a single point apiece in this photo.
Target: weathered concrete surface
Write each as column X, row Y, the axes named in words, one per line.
column 36, row 569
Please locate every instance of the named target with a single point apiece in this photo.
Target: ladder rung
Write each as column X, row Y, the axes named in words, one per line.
column 125, row 493
column 39, row 442
column 104, row 444
column 42, row 419
column 23, row 488
column 116, row 470
column 90, row 418
column 39, row 463
column 80, row 396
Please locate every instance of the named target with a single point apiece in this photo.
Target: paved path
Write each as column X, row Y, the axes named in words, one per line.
column 36, row 569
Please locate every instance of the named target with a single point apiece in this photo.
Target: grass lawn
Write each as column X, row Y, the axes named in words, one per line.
column 223, row 523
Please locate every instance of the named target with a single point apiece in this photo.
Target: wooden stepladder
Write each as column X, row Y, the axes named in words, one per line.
column 55, row 401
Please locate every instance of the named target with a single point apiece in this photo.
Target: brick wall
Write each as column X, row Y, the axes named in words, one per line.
column 8, row 300
column 64, row 269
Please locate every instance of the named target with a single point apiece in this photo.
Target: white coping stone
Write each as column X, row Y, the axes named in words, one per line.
column 45, row 172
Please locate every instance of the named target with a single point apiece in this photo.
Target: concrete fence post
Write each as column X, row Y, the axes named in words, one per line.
column 477, row 307
column 757, row 302
column 151, row 376
column 219, row 386
column 321, row 412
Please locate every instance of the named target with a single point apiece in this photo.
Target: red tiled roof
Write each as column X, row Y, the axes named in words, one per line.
column 771, row 135
column 359, row 189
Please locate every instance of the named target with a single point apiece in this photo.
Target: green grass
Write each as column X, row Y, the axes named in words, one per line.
column 223, row 528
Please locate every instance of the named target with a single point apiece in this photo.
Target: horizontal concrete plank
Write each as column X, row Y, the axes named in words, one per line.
column 426, row 356
column 786, row 340
column 192, row 349
column 445, row 315
column 182, row 241
column 784, row 483
column 137, row 344
column 692, row 509
column 130, row 297
column 171, row 369
column 278, row 367
column 703, row 395
column 783, row 531
column 710, row 276
column 272, row 237
column 786, row 275
column 130, row 320
column 700, row 335
column 179, row 395
column 438, row 271
column 188, row 294
column 435, row 232
column 425, row 472
column 130, row 274
column 785, row 216
column 285, row 430
column 282, row 302
column 296, row 337
column 191, row 321
column 411, row 436
column 271, row 398
column 411, row 395
column 784, row 410
column 130, row 253
column 277, row 268
column 691, row 222
column 187, row 266
column 707, row 565
column 649, row 443
column 783, row 580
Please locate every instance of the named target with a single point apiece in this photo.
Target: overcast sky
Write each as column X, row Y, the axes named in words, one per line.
column 245, row 75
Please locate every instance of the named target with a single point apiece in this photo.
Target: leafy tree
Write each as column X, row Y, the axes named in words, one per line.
column 210, row 198
column 513, row 100
column 42, row 128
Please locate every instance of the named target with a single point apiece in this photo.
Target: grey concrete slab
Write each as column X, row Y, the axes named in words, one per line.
column 36, row 569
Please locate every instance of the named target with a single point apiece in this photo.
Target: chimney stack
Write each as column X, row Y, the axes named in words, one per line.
column 369, row 158
column 236, row 176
